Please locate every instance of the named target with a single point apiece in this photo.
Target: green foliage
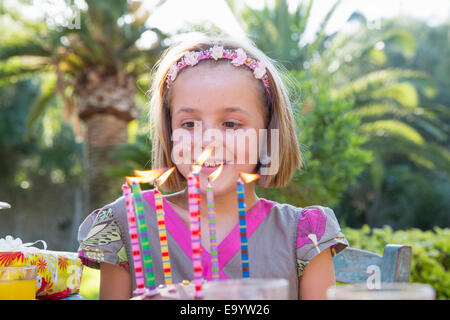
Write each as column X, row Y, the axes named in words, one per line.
column 131, row 155
column 105, row 43
column 74, row 61
column 55, row 154
column 430, row 252
column 404, row 114
column 402, row 198
column 332, row 152
column 279, row 32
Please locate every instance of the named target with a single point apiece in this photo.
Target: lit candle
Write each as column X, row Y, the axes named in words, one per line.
column 134, row 240
column 212, row 223
column 150, row 175
column 194, row 211
column 143, row 237
column 163, row 236
column 242, row 221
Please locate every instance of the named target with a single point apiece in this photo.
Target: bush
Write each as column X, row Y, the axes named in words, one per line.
column 430, row 252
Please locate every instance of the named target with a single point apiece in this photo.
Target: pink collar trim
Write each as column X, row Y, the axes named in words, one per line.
column 227, row 248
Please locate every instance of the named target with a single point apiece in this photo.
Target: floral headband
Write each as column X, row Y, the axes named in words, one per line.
column 238, row 57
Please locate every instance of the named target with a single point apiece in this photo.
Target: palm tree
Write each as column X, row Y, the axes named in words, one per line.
column 329, row 59
column 399, row 115
column 95, row 68
column 279, row 33
column 333, row 157
column 385, row 100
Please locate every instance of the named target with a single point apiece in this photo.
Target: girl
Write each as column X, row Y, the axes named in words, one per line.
column 230, row 88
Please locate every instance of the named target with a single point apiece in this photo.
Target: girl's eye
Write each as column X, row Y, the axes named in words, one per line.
column 188, row 124
column 232, row 125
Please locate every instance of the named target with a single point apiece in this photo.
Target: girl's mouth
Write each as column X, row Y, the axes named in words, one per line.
column 210, row 167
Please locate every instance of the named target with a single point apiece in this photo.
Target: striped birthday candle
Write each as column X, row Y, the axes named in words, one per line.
column 212, row 232
column 194, row 210
column 163, row 236
column 140, row 286
column 144, row 239
column 243, row 229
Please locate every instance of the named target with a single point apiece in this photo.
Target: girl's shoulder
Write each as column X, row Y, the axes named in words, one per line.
column 290, row 211
column 118, row 208
column 303, row 214
column 101, row 237
column 316, row 228
column 104, row 235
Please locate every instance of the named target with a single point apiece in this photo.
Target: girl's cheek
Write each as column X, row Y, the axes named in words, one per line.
column 239, row 147
column 183, row 146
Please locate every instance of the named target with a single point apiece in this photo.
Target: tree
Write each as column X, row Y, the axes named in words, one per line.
column 40, row 175
column 95, row 69
column 389, row 101
column 332, row 155
column 408, row 128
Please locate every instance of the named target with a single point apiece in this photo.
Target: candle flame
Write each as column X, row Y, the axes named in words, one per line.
column 203, row 156
column 149, row 175
column 201, row 159
column 249, row 177
column 196, row 168
column 213, row 176
column 164, row 176
column 130, row 180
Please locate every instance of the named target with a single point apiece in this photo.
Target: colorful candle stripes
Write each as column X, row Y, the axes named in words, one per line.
column 194, row 210
column 163, row 236
column 134, row 240
column 243, row 229
column 143, row 238
column 212, row 232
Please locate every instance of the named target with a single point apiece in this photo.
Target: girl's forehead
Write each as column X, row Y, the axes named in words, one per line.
column 209, row 86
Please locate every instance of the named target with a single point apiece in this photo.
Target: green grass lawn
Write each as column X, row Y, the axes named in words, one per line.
column 90, row 283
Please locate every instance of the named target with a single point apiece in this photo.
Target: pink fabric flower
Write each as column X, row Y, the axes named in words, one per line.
column 260, row 70
column 191, row 58
column 311, row 227
column 173, row 72
column 217, row 52
column 240, row 58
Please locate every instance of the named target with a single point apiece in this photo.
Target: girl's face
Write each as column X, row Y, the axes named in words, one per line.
column 220, row 106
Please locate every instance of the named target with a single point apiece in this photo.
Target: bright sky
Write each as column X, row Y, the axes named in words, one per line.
column 174, row 12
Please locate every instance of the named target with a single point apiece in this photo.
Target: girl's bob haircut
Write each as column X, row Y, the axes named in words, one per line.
column 278, row 112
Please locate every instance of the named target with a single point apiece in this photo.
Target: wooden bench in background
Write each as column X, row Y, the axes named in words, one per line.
column 355, row 265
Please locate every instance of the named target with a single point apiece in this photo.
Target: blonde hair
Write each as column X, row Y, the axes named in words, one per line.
column 279, row 112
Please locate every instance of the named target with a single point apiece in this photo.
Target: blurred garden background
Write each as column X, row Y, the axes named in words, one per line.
column 371, row 96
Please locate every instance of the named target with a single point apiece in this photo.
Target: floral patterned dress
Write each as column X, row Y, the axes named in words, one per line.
column 282, row 239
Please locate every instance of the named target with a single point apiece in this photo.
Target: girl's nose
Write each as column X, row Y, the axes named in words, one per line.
column 212, row 137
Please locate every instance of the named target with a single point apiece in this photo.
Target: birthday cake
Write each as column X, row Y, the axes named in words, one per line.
column 178, row 291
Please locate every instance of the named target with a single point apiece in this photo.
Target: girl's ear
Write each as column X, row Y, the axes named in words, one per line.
column 263, row 161
column 263, row 169
column 258, row 167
